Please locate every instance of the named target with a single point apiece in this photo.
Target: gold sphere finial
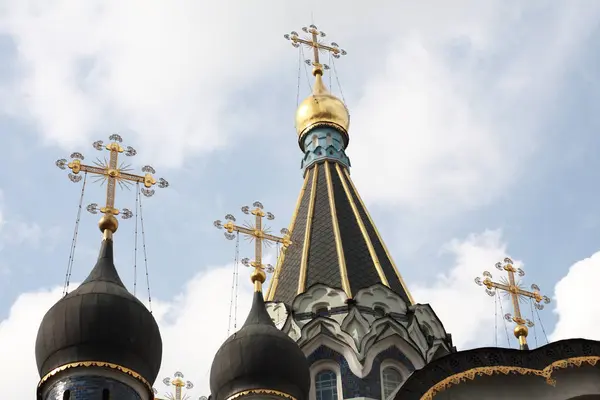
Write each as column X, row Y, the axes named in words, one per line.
column 258, row 275
column 108, row 222
column 321, row 108
column 521, row 331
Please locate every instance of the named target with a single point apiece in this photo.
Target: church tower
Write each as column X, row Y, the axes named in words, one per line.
column 99, row 342
column 336, row 289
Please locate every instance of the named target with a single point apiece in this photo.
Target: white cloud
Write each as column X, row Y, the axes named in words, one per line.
column 575, row 296
column 438, row 124
column 193, row 326
column 451, row 117
column 18, row 374
column 462, row 306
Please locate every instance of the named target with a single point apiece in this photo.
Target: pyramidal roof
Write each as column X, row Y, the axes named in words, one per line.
column 334, row 239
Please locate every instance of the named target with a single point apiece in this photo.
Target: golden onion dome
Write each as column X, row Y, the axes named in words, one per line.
column 321, row 108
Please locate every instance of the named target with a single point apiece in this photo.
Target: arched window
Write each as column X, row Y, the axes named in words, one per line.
column 66, row 395
column 326, row 385
column 391, row 379
column 105, row 394
column 315, row 141
column 328, row 139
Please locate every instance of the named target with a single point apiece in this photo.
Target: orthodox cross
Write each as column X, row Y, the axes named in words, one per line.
column 513, row 288
column 257, row 233
column 313, row 42
column 113, row 173
column 179, row 384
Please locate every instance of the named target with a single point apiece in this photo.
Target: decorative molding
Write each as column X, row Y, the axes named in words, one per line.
column 101, row 364
column 356, row 326
column 380, row 293
column 261, row 391
column 473, row 373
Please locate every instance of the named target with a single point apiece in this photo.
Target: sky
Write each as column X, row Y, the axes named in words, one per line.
column 473, row 137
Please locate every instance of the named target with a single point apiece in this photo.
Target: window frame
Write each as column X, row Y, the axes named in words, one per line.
column 321, row 366
column 399, row 368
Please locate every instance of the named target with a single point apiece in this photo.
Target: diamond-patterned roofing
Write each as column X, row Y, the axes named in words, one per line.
column 323, row 263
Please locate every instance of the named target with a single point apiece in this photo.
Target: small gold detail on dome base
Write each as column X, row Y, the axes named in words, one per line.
column 101, row 364
column 261, row 391
column 489, row 371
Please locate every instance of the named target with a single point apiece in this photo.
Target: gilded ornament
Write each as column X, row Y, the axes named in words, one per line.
column 270, row 392
column 473, row 373
column 260, row 235
column 275, row 280
column 101, row 364
column 320, row 108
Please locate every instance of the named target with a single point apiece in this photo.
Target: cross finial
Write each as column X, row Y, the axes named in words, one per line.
column 260, row 235
column 179, row 384
column 113, row 173
column 312, row 41
column 514, row 290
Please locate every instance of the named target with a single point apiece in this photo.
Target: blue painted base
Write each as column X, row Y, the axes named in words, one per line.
column 90, row 388
column 324, row 143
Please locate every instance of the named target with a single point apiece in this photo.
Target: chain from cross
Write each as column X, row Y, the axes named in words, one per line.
column 514, row 290
column 255, row 232
column 313, row 42
column 179, row 384
column 111, row 172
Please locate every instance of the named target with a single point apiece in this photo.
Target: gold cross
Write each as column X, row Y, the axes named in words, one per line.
column 260, row 236
column 514, row 290
column 113, row 173
column 179, row 384
column 313, row 42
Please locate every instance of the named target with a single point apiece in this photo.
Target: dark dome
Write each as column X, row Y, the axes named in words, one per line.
column 259, row 356
column 100, row 321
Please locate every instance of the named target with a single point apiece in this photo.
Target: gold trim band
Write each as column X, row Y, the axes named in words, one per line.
column 312, row 127
column 337, row 235
column 363, row 229
column 306, row 244
column 261, row 391
column 101, row 364
column 387, row 252
column 275, row 280
column 489, row 371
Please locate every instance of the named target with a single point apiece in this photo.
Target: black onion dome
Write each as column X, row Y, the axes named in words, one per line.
column 100, row 321
column 259, row 356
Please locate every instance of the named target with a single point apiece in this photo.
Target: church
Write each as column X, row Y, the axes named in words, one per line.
column 336, row 321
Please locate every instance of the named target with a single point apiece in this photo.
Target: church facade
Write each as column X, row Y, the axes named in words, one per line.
column 337, row 322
